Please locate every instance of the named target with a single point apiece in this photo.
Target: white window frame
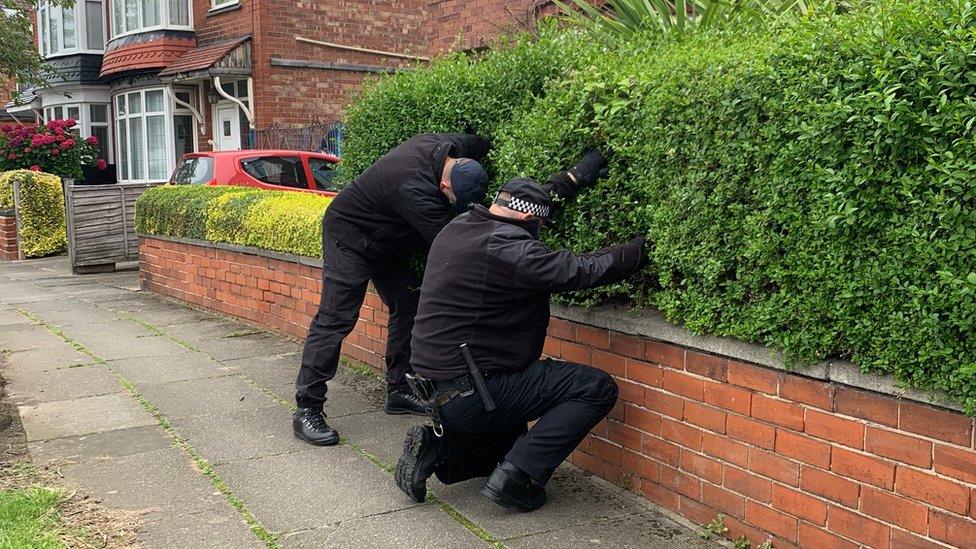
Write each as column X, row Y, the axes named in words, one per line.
column 44, row 12
column 220, row 4
column 85, row 123
column 164, row 17
column 121, row 123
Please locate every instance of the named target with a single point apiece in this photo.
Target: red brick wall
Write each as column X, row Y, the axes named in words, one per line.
column 295, row 96
column 457, row 24
column 8, row 238
column 810, row 463
column 270, row 292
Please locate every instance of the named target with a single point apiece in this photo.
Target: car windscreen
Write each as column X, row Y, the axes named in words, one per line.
column 193, row 170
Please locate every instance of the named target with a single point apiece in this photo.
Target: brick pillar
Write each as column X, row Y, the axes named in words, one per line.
column 8, row 237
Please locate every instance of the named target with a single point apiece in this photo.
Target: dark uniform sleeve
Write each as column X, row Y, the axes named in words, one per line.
column 426, row 213
column 539, row 268
column 468, row 146
column 560, row 185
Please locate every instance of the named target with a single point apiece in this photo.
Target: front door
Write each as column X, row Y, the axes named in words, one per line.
column 228, row 128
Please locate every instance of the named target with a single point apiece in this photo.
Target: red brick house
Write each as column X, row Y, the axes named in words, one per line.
column 154, row 79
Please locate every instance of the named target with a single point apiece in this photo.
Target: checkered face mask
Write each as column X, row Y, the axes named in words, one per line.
column 524, row 206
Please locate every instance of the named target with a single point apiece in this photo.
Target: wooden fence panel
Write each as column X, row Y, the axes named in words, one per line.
column 101, row 224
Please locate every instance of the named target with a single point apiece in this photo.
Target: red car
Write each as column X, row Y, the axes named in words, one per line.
column 266, row 169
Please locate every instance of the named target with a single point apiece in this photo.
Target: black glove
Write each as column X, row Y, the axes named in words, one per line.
column 591, row 167
column 630, row 256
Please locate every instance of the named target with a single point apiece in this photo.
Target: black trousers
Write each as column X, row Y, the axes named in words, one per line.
column 345, row 276
column 567, row 399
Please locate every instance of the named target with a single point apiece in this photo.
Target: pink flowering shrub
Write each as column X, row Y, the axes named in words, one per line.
column 53, row 148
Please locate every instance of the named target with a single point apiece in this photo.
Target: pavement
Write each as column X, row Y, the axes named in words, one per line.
column 148, row 405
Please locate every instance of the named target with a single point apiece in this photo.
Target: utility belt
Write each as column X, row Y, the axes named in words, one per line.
column 435, row 394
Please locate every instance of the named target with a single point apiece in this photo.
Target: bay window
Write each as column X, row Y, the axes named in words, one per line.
column 92, row 120
column 129, row 16
column 71, row 29
column 152, row 133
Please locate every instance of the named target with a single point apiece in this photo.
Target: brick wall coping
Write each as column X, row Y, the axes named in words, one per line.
column 651, row 324
column 7, row 212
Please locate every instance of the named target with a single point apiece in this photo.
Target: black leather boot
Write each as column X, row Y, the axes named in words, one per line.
column 404, row 403
column 309, row 425
column 422, row 451
column 511, row 487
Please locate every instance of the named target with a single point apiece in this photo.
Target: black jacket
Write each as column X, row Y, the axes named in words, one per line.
column 488, row 283
column 396, row 204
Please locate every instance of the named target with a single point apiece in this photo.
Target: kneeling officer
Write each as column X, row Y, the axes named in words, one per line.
column 487, row 285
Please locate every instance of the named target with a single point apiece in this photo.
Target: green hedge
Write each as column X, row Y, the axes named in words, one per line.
column 283, row 221
column 811, row 187
column 41, row 210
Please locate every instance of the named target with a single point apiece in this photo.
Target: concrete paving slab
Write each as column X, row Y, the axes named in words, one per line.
column 196, row 397
column 154, row 311
column 573, row 500
column 238, row 436
column 646, row 530
column 320, row 486
column 162, row 480
column 277, row 374
column 211, row 337
column 110, row 444
column 376, row 432
column 29, row 387
column 26, row 335
column 10, row 316
column 423, row 526
column 81, row 416
column 178, row 366
column 218, row 528
column 76, row 316
column 45, row 359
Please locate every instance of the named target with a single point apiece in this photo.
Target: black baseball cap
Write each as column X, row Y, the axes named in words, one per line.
column 526, row 197
column 469, row 181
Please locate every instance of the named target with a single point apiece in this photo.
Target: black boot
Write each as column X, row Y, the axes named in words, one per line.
column 511, row 487
column 422, row 451
column 404, row 403
column 309, row 425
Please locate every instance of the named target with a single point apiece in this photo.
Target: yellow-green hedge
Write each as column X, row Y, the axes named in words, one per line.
column 283, row 221
column 41, row 210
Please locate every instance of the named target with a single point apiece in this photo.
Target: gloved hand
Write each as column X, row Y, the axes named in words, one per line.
column 590, row 167
column 630, row 256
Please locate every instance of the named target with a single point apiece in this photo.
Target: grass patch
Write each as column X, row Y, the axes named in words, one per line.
column 29, row 517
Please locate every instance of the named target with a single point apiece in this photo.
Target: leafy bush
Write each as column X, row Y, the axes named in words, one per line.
column 283, row 221
column 53, row 148
column 809, row 187
column 41, row 210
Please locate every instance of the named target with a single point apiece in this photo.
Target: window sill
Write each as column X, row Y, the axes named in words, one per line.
column 224, row 9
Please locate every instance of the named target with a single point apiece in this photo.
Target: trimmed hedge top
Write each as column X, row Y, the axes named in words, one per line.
column 811, row 187
column 284, row 221
column 41, row 210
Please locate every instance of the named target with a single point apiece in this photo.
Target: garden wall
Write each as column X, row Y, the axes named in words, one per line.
column 828, row 459
column 8, row 236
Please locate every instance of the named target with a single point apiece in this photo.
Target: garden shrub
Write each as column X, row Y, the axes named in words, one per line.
column 283, row 221
column 809, row 187
column 41, row 211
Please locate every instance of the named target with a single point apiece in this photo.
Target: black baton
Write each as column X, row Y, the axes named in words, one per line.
column 477, row 380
